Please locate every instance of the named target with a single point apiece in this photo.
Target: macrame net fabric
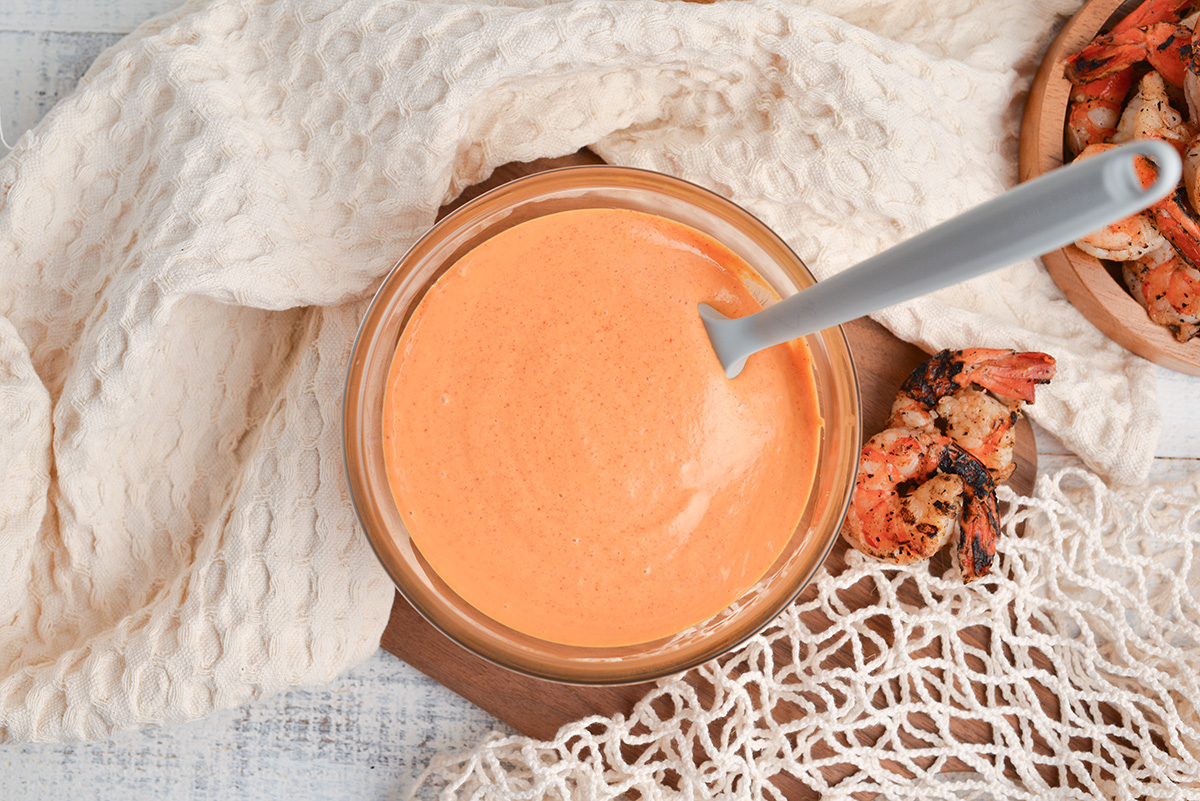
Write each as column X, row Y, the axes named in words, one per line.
column 1072, row 671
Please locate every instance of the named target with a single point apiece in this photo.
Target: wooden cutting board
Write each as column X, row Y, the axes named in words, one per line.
column 539, row 708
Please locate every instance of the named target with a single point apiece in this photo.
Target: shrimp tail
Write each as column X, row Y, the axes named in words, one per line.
column 1164, row 44
column 1007, row 373
column 1176, row 222
column 1127, row 42
column 1152, row 11
column 1095, row 109
column 980, row 526
column 1105, row 56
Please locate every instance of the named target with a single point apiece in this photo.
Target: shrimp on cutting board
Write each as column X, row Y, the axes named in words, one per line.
column 933, row 470
column 950, row 490
column 940, row 396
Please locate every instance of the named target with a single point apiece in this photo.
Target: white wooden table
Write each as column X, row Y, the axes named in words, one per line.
column 367, row 735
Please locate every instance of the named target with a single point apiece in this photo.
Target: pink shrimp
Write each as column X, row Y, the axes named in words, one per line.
column 1096, row 104
column 938, row 397
column 949, row 487
column 1172, row 217
column 1124, row 240
column 1150, row 115
column 1168, row 286
column 1162, row 44
column 1095, row 110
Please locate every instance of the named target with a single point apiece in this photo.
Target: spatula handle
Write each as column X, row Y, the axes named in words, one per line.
column 1034, row 218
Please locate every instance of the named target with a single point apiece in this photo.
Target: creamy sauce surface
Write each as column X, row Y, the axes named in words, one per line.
column 563, row 446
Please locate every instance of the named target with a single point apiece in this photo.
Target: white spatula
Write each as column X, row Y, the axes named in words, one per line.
column 1034, row 218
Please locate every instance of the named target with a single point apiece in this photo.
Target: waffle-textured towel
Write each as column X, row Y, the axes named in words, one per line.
column 186, row 244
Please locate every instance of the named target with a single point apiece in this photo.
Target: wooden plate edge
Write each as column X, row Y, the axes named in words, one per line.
column 1081, row 277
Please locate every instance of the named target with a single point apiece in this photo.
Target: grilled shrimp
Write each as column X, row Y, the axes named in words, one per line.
column 1150, row 115
column 1095, row 110
column 1168, row 286
column 1124, row 240
column 1191, row 173
column 913, row 489
column 938, row 397
column 1150, row 33
column 1172, row 217
column 1191, row 156
column 1160, row 246
column 1096, row 103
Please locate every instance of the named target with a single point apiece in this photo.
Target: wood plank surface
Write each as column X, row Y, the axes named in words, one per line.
column 91, row 16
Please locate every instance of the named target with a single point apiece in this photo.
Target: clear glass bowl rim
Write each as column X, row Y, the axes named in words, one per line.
column 625, row 669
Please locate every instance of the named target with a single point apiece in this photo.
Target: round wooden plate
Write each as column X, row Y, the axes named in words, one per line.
column 1085, row 280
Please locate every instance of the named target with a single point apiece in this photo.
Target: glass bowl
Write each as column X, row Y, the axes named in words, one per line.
column 781, row 274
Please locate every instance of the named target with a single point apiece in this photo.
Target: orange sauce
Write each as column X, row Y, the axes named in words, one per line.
column 563, row 446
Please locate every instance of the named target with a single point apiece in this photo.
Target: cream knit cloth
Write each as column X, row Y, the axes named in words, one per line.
column 187, row 242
